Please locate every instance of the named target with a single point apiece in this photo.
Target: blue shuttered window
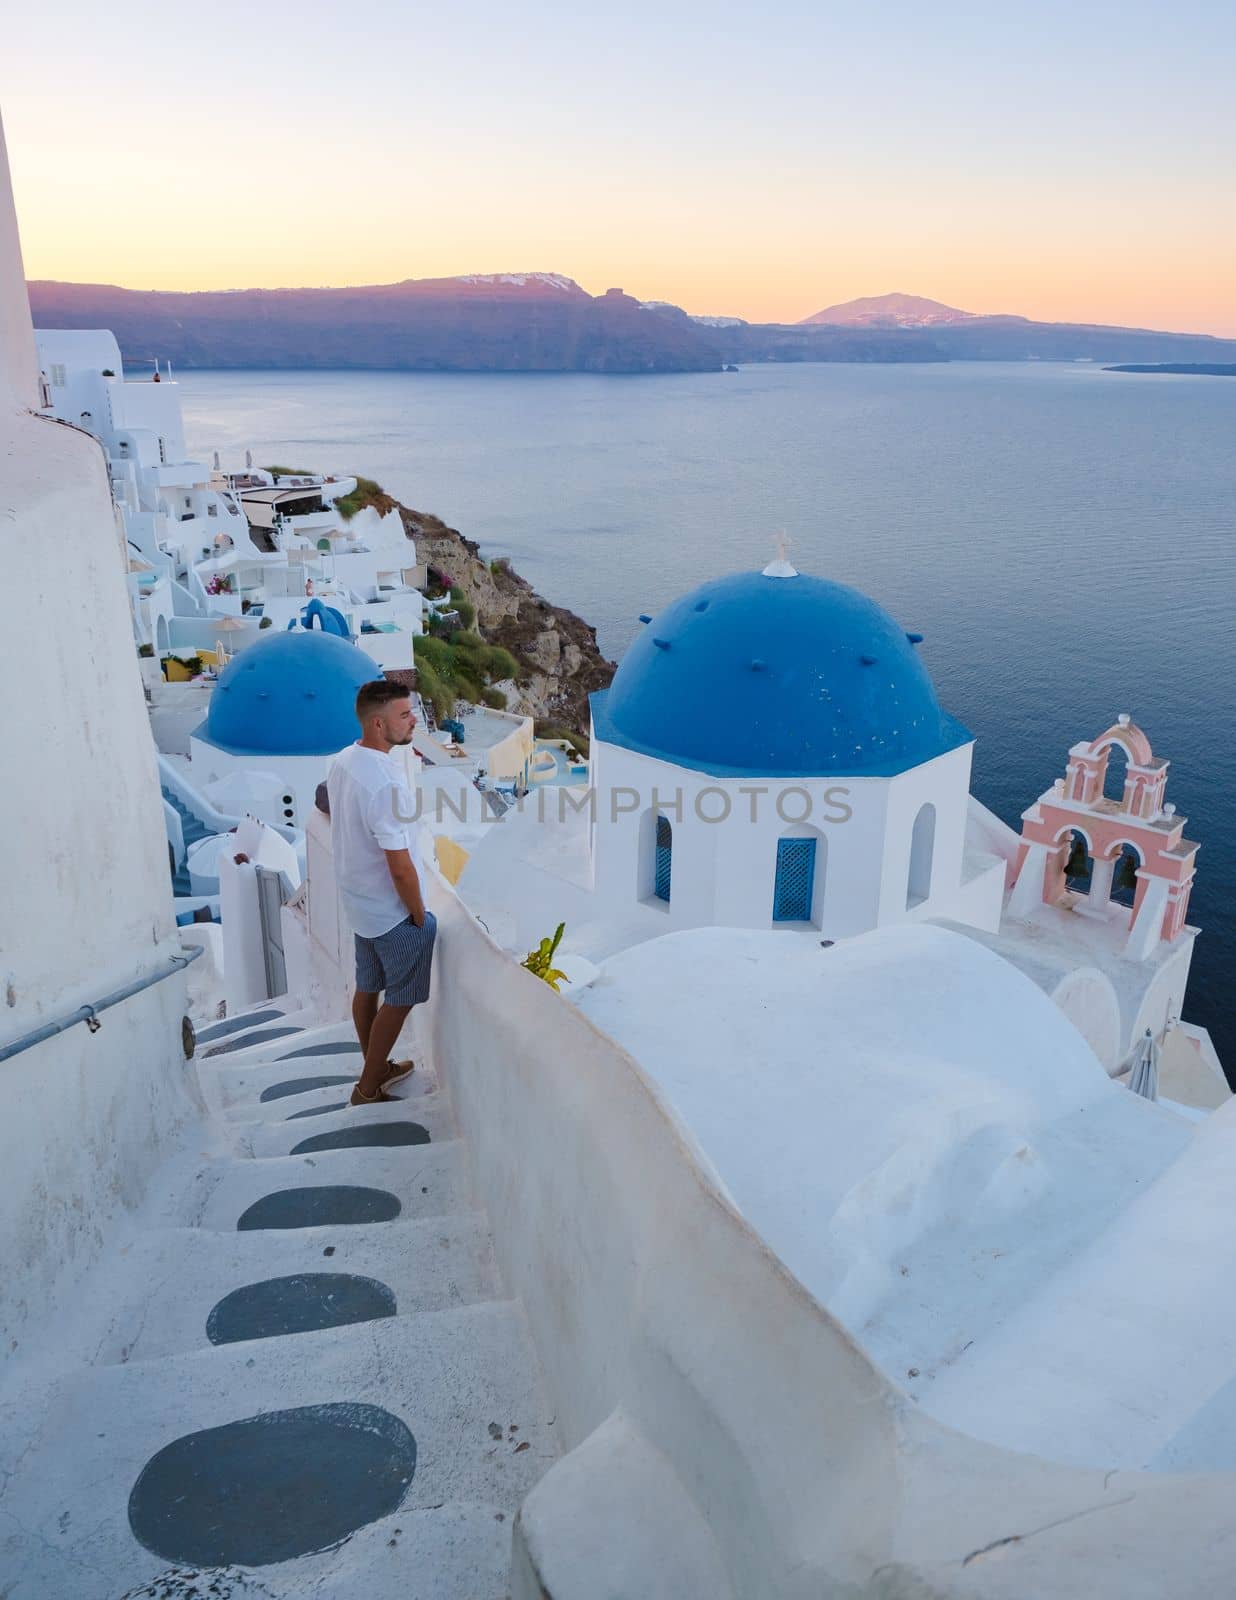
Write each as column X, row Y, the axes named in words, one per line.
column 664, row 859
column 792, row 895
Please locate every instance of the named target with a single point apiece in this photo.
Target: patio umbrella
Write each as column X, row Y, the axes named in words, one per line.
column 1144, row 1073
column 227, row 625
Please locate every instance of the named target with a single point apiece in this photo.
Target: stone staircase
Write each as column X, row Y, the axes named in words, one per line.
column 193, row 829
column 296, row 1374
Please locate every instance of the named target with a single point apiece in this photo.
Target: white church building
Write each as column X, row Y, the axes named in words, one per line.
column 770, row 753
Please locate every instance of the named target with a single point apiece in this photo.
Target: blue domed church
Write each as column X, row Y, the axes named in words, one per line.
column 282, row 708
column 772, row 753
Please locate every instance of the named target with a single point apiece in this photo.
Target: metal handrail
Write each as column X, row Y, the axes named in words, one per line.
column 89, row 1014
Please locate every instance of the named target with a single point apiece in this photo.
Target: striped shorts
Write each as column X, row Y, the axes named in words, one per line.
column 398, row 962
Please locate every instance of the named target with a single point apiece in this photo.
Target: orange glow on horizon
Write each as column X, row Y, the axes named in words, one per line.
column 758, row 292
column 933, row 157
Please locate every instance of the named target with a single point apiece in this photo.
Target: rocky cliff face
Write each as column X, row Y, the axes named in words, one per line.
column 558, row 650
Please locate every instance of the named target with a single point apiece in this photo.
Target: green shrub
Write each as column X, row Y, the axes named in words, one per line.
column 431, row 663
column 462, row 665
column 145, row 649
column 490, row 661
column 554, row 730
column 366, row 493
column 464, row 606
column 500, row 664
column 266, row 622
column 427, row 649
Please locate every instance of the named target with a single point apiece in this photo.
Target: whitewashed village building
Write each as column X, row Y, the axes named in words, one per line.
column 799, row 1254
column 214, row 561
column 205, row 547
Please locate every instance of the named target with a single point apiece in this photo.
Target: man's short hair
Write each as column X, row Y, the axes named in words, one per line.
column 371, row 697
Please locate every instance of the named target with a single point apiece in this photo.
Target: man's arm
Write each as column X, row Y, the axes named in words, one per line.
column 407, row 883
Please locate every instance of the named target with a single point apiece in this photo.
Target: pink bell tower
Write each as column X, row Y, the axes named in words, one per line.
column 1139, row 819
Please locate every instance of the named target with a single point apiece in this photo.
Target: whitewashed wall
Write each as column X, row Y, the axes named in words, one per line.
column 300, row 774
column 19, row 384
column 86, row 905
column 723, row 1435
column 725, row 833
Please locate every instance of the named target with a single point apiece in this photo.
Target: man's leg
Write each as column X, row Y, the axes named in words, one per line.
column 364, row 1010
column 383, row 1032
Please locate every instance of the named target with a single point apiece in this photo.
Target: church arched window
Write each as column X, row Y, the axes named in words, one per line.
column 794, row 891
column 663, row 859
column 922, row 849
column 1116, row 773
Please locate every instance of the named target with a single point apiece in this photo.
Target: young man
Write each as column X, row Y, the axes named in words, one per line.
column 378, row 872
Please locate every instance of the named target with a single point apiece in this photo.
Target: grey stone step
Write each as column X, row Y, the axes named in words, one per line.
column 215, row 1405
column 334, row 1043
column 246, row 1040
column 272, row 1090
column 156, row 1299
column 210, row 1033
column 280, row 1137
column 426, row 1181
column 460, row 1382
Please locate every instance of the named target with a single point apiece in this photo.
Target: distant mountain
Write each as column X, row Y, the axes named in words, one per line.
column 492, row 322
column 489, row 286
column 545, row 322
column 974, row 339
column 701, row 322
column 889, row 311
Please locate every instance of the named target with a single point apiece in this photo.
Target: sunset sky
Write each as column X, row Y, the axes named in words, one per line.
column 1065, row 162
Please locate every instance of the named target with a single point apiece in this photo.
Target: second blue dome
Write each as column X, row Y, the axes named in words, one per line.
column 291, row 694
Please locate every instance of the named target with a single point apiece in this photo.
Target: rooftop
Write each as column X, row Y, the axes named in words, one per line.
column 1031, row 1250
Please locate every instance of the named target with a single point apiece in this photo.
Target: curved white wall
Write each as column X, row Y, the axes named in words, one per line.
column 761, row 1410
column 724, row 1437
column 86, row 906
column 1089, row 1002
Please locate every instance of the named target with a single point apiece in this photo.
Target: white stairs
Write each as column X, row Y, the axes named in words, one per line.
column 208, row 1422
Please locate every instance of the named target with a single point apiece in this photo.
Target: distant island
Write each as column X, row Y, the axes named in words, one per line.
column 891, row 311
column 1205, row 369
column 545, row 322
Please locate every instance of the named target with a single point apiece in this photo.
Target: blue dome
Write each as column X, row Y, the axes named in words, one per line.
column 759, row 675
column 289, row 694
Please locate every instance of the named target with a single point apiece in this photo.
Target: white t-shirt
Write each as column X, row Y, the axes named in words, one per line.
column 371, row 811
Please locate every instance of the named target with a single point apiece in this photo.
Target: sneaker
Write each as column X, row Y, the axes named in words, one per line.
column 359, row 1099
column 395, row 1070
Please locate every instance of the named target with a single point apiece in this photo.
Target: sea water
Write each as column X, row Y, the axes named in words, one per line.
column 1061, row 535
